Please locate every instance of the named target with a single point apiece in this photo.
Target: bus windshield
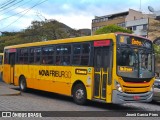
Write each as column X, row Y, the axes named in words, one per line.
column 135, row 61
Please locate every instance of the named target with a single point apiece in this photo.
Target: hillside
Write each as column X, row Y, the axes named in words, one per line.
column 41, row 31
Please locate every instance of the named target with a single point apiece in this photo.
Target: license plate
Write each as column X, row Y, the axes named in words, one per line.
column 136, row 97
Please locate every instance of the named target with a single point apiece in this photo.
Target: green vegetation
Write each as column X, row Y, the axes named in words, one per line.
column 111, row 28
column 40, row 31
column 157, row 53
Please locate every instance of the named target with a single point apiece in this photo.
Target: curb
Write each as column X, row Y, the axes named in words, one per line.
column 6, row 90
column 14, row 94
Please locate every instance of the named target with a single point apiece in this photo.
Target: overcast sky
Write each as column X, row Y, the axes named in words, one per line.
column 16, row 15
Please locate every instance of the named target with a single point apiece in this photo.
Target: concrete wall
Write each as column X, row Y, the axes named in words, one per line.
column 133, row 15
column 139, row 26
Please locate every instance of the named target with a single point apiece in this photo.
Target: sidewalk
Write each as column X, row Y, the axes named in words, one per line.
column 8, row 90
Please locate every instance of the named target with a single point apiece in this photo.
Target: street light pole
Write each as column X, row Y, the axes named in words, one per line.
column 140, row 6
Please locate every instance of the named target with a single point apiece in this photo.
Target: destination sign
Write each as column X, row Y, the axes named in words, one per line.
column 138, row 41
column 125, row 69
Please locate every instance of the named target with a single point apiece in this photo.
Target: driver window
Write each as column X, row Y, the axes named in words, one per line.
column 126, row 58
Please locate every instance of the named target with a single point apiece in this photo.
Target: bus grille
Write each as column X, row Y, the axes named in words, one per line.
column 135, row 92
column 136, row 80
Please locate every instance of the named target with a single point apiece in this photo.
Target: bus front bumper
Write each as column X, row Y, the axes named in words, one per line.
column 120, row 97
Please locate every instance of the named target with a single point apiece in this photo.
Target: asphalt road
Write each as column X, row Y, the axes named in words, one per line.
column 35, row 100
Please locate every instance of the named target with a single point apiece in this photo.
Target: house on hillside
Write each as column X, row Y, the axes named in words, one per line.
column 141, row 24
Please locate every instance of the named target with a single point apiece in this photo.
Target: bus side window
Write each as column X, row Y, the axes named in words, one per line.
column 48, row 55
column 66, row 54
column 43, row 61
column 76, row 54
column 81, row 54
column 31, row 56
column 76, row 60
column 85, row 54
column 6, row 57
column 37, row 54
column 84, row 60
column 22, row 56
column 63, row 54
column 58, row 60
column 66, row 60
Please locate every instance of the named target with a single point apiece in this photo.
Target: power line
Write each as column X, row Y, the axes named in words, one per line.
column 24, row 13
column 140, row 6
column 11, row 5
column 5, row 2
column 15, row 7
column 18, row 13
column 8, row 4
column 38, row 14
column 13, row 15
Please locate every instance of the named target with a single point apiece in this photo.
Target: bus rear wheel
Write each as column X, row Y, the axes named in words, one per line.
column 23, row 84
column 79, row 94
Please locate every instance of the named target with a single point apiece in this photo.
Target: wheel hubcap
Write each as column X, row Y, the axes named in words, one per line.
column 22, row 85
column 79, row 94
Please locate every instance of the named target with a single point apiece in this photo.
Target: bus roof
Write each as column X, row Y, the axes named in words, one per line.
column 67, row 40
column 72, row 40
column 133, row 35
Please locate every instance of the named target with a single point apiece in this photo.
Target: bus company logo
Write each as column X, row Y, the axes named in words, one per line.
column 81, row 71
column 21, row 114
column 54, row 73
column 6, row 114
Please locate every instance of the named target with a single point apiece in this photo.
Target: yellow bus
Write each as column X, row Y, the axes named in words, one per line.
column 1, row 65
column 113, row 68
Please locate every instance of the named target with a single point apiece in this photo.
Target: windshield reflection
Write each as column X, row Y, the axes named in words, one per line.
column 128, row 57
column 140, row 60
column 145, row 60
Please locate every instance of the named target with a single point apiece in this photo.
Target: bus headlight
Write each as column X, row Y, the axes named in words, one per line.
column 118, row 86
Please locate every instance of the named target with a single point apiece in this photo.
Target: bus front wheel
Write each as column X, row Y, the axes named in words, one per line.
column 23, row 84
column 79, row 94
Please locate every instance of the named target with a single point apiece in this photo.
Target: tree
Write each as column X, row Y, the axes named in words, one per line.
column 157, row 53
column 38, row 31
column 111, row 28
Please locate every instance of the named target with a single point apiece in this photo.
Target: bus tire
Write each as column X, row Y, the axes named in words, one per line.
column 23, row 84
column 79, row 94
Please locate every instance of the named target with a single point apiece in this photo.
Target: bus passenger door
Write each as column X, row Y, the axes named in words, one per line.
column 101, row 68
column 12, row 63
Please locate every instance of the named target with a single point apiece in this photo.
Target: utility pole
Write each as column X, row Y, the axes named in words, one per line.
column 39, row 15
column 140, row 6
